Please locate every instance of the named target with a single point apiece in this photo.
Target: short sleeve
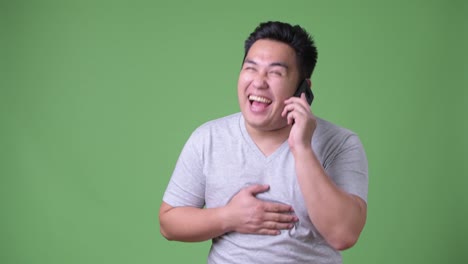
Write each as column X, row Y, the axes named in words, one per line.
column 349, row 167
column 187, row 184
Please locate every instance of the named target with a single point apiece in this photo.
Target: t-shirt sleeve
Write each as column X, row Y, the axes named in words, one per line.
column 349, row 167
column 187, row 184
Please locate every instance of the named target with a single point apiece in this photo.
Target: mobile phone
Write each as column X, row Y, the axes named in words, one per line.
column 304, row 87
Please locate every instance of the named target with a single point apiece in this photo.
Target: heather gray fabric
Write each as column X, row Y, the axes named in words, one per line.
column 220, row 158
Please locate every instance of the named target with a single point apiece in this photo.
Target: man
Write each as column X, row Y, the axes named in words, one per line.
column 274, row 183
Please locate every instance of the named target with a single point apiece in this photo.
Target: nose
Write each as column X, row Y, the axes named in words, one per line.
column 260, row 81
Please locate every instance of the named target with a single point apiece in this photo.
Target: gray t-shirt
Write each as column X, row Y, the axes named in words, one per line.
column 220, row 158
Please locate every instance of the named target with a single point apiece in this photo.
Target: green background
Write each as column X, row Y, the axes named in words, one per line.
column 97, row 99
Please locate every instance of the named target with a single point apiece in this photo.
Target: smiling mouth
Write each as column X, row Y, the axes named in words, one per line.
column 259, row 99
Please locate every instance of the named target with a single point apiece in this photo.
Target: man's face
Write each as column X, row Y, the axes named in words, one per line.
column 268, row 77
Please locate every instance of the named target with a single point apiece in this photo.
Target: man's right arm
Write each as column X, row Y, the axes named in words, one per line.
column 190, row 224
column 244, row 214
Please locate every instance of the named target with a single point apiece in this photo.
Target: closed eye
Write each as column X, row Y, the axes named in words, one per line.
column 276, row 73
column 249, row 68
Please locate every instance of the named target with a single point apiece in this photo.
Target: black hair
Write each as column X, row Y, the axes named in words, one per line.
column 295, row 36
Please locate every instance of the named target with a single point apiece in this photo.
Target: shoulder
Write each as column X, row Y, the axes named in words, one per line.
column 213, row 135
column 331, row 137
column 328, row 129
column 217, row 128
column 219, row 124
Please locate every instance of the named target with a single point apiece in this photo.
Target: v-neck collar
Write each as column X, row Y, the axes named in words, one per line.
column 249, row 141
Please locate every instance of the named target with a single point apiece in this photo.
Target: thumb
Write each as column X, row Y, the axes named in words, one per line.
column 257, row 188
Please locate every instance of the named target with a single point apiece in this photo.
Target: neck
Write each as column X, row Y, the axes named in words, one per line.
column 268, row 140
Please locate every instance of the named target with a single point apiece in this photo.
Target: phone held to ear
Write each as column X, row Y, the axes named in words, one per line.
column 304, row 87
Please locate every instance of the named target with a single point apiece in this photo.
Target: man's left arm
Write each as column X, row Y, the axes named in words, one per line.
column 338, row 215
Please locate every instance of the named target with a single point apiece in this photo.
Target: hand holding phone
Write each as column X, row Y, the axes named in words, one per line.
column 304, row 87
column 300, row 117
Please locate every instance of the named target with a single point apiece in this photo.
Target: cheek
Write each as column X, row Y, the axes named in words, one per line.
column 282, row 90
column 243, row 82
column 241, row 88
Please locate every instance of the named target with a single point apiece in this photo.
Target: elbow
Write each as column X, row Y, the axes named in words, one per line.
column 344, row 239
column 168, row 233
column 165, row 231
column 165, row 234
column 164, row 222
column 344, row 242
column 346, row 236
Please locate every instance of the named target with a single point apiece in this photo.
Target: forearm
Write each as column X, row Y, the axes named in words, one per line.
column 337, row 215
column 190, row 224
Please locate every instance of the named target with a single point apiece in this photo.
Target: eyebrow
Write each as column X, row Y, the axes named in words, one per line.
column 280, row 64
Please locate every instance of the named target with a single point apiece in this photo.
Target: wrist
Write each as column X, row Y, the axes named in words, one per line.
column 302, row 151
column 305, row 156
column 225, row 220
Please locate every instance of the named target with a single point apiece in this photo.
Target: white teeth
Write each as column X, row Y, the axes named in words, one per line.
column 259, row 99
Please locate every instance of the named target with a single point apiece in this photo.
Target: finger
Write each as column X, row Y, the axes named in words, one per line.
column 278, row 208
column 303, row 104
column 300, row 106
column 269, row 232
column 277, row 226
column 281, row 217
column 301, row 98
column 257, row 188
column 288, row 108
column 291, row 117
column 290, row 112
